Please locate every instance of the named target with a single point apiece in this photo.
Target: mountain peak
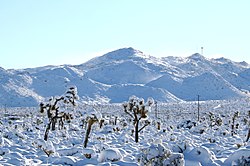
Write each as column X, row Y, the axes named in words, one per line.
column 223, row 60
column 123, row 53
column 197, row 56
column 115, row 56
column 244, row 63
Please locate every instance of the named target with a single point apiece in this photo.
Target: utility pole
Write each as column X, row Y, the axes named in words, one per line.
column 5, row 113
column 156, row 109
column 198, row 108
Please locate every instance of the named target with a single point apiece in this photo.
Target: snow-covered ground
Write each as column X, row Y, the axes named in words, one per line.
column 174, row 136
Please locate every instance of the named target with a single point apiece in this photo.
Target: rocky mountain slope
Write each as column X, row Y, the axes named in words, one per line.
column 117, row 75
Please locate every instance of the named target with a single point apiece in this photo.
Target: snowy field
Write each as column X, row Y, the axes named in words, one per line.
column 173, row 137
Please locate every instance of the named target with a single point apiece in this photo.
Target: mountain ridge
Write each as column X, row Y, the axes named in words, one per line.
column 127, row 71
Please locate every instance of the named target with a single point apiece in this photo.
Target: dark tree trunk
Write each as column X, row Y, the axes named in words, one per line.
column 248, row 135
column 115, row 120
column 232, row 128
column 47, row 132
column 158, row 126
column 87, row 134
column 54, row 120
column 137, row 131
column 101, row 123
column 60, row 124
column 53, row 123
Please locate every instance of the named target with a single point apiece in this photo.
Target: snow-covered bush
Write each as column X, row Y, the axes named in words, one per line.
column 187, row 124
column 181, row 146
column 158, row 154
column 65, row 160
column 4, row 151
column 175, row 159
column 69, row 151
column 88, row 153
column 239, row 157
column 110, row 155
column 214, row 120
column 46, row 146
column 201, row 155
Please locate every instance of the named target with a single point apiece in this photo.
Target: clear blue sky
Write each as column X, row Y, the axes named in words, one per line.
column 52, row 32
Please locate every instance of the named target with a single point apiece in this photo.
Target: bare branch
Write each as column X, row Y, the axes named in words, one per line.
column 129, row 114
column 145, row 125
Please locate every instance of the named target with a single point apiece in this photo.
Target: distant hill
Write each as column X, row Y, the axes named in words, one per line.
column 117, row 75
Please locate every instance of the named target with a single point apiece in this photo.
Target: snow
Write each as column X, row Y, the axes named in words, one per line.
column 108, row 155
column 129, row 70
column 173, row 136
column 179, row 140
column 119, row 93
column 237, row 156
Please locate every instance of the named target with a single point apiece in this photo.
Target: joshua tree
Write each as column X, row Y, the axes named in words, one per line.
column 214, row 120
column 53, row 113
column 137, row 109
column 71, row 96
column 236, row 115
column 93, row 116
column 91, row 120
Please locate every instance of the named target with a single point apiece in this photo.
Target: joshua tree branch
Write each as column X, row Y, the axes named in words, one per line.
column 129, row 114
column 145, row 125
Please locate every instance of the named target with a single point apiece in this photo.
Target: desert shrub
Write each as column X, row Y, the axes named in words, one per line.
column 155, row 155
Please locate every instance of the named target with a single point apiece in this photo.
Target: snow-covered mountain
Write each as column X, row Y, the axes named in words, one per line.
column 119, row 74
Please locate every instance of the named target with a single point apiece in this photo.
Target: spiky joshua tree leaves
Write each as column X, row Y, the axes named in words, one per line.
column 55, row 115
column 137, row 109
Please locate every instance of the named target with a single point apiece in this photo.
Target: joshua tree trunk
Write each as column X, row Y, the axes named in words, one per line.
column 87, row 135
column 236, row 114
column 137, row 131
column 115, row 120
column 47, row 132
column 101, row 123
column 90, row 123
column 248, row 135
column 233, row 123
column 53, row 124
column 232, row 129
column 158, row 126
